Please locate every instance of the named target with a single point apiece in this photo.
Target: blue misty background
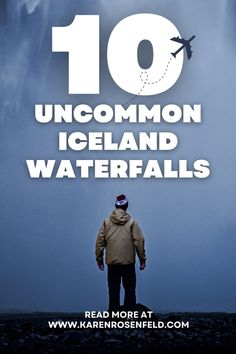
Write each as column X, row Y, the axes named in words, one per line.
column 48, row 227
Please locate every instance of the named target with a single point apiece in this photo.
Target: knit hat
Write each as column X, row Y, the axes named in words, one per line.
column 121, row 200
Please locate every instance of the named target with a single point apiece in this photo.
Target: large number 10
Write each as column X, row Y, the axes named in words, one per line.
column 81, row 41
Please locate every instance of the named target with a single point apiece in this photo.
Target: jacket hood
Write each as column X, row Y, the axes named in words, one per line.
column 119, row 216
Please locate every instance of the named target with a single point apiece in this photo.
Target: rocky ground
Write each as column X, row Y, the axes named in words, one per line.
column 30, row 333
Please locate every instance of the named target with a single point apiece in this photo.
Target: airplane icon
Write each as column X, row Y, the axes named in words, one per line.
column 185, row 44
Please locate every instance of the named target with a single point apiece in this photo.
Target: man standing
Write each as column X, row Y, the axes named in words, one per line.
column 122, row 238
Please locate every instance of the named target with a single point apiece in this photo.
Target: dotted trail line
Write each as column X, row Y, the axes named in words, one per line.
column 144, row 78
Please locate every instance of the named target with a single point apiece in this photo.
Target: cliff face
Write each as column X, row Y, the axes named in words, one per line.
column 30, row 333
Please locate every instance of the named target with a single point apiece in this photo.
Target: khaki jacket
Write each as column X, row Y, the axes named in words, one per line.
column 122, row 237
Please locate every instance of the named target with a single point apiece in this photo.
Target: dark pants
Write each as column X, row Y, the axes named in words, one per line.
column 127, row 274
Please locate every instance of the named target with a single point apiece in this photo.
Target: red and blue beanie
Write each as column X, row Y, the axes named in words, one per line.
column 121, row 200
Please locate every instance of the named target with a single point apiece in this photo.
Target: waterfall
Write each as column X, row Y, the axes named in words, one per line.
column 31, row 5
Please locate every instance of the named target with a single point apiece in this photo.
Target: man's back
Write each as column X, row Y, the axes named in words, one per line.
column 121, row 236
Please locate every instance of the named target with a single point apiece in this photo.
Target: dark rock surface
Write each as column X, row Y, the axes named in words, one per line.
column 29, row 333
